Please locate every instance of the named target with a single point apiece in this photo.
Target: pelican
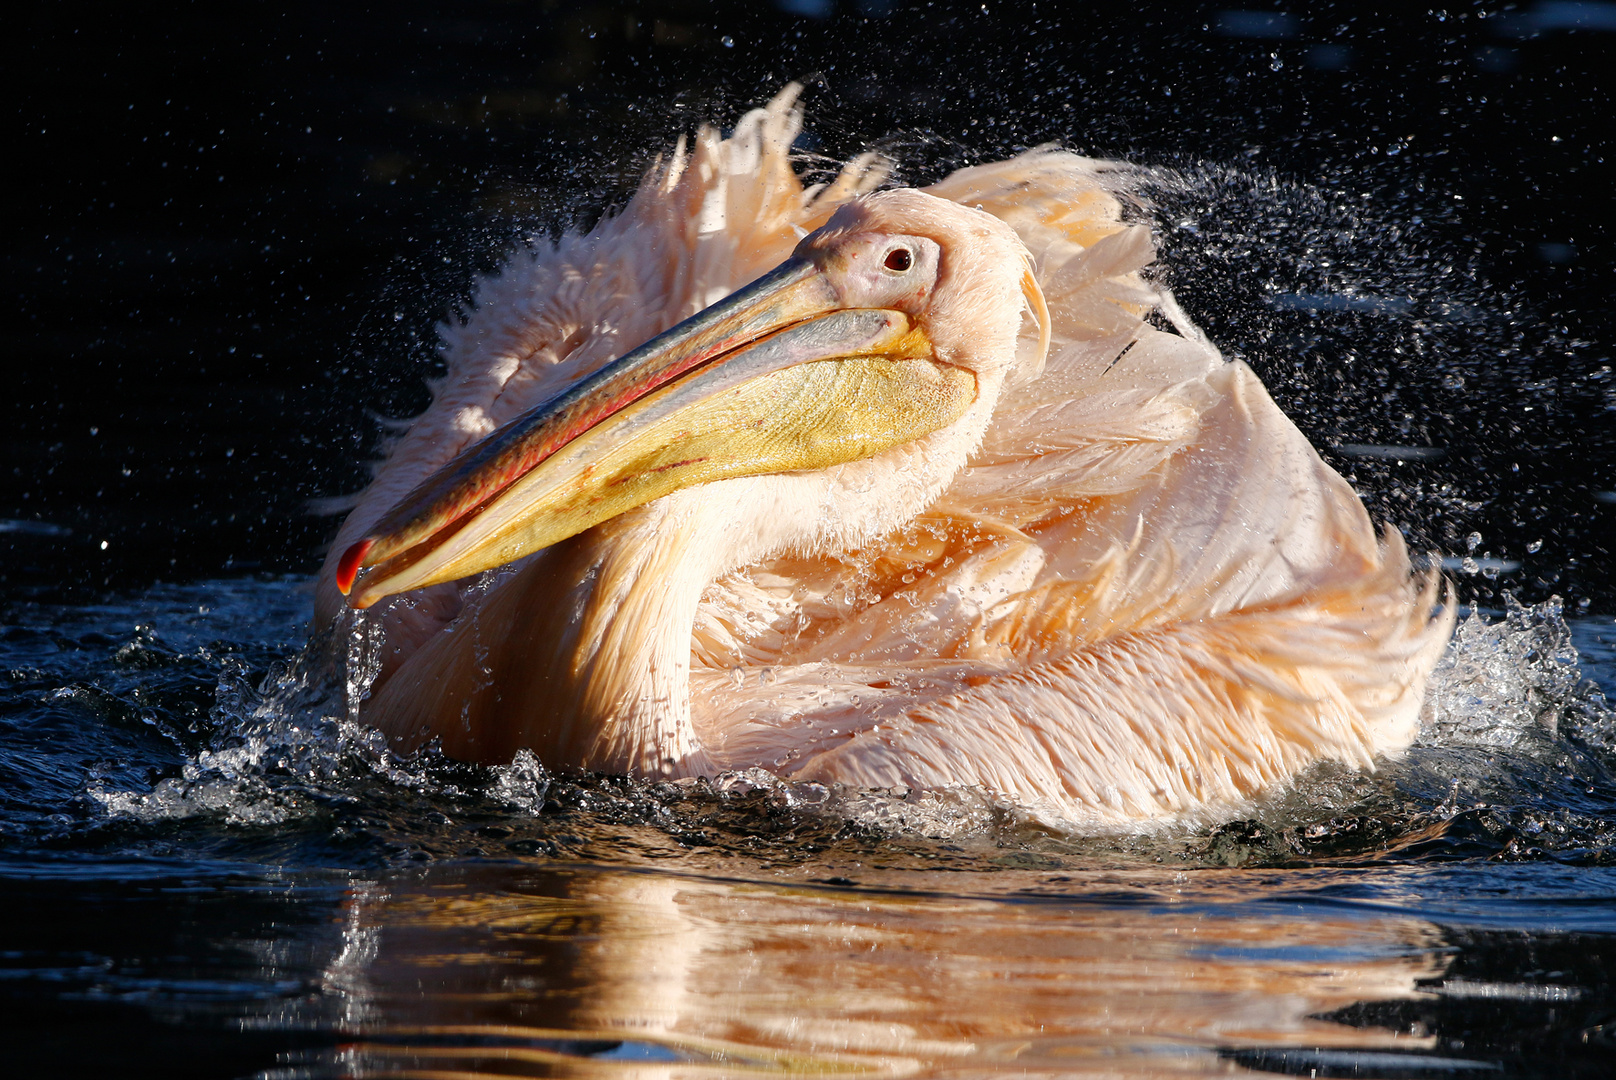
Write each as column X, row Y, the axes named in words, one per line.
column 895, row 489
column 737, row 972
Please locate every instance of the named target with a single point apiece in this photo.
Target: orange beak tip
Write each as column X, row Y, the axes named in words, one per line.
column 351, row 561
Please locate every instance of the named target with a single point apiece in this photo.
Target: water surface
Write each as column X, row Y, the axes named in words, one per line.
column 207, row 865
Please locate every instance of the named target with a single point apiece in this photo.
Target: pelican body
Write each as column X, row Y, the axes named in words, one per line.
column 886, row 488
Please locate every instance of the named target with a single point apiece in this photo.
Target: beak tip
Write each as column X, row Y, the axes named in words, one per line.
column 348, row 566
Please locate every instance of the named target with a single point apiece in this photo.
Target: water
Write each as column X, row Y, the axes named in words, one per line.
column 236, row 234
column 207, row 864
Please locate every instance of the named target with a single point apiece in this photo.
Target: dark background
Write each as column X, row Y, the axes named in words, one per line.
column 231, row 228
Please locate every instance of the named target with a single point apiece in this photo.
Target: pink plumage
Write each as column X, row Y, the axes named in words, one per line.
column 1121, row 587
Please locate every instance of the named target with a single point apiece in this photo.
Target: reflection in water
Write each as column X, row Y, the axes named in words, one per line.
column 195, row 878
column 494, row 972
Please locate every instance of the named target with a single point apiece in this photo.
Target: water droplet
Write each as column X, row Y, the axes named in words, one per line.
column 729, row 42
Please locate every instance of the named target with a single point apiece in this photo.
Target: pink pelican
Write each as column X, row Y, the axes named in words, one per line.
column 948, row 495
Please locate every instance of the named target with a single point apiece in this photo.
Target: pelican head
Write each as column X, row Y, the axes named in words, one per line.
column 890, row 330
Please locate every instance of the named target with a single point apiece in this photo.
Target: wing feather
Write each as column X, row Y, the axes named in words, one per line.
column 1145, row 595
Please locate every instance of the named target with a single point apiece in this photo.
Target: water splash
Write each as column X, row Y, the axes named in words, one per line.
column 1514, row 682
column 279, row 762
column 1514, row 762
column 939, row 814
column 365, row 635
column 1368, row 313
column 523, row 784
column 277, row 747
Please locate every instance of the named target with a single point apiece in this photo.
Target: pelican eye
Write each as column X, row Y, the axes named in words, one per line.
column 899, row 260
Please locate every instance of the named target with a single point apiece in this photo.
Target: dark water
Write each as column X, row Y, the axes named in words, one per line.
column 208, row 868
column 236, row 231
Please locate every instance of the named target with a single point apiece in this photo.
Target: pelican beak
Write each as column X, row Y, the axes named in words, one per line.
column 777, row 377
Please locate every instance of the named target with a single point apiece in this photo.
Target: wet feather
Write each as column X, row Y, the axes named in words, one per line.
column 1143, row 595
